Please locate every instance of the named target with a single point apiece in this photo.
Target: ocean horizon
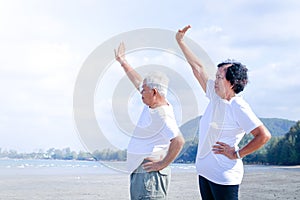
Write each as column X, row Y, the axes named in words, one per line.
column 57, row 167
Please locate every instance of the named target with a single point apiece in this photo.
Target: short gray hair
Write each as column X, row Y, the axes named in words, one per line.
column 159, row 81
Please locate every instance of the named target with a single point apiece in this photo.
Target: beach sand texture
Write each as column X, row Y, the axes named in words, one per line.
column 261, row 183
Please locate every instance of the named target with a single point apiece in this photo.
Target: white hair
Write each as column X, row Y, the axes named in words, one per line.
column 157, row 80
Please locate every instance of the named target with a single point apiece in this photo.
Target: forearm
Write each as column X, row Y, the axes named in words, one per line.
column 192, row 59
column 134, row 77
column 261, row 137
column 197, row 67
column 174, row 150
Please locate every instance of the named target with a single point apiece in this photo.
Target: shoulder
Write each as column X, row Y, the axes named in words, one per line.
column 170, row 128
column 166, row 111
column 244, row 115
column 240, row 107
column 239, row 102
column 210, row 89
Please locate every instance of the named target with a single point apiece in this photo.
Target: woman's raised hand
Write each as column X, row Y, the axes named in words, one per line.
column 181, row 32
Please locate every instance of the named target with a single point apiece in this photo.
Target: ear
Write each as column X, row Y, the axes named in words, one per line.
column 155, row 92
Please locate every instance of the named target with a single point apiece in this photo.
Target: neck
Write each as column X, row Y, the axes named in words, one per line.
column 229, row 96
column 162, row 102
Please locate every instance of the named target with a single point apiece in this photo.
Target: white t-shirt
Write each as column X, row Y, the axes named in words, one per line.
column 152, row 135
column 224, row 121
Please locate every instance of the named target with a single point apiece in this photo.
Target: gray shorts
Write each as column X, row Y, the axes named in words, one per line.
column 152, row 185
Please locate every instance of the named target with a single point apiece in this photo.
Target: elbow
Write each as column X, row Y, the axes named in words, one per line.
column 180, row 141
column 262, row 134
column 266, row 136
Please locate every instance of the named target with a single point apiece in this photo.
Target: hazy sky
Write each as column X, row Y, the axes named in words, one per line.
column 45, row 43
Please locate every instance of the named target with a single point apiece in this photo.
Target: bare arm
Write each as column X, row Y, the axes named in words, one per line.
column 134, row 77
column 261, row 136
column 193, row 60
column 174, row 150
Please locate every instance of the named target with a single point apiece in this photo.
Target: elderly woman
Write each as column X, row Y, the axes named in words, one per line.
column 225, row 121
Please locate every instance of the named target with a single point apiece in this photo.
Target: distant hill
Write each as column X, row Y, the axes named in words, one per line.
column 190, row 129
column 277, row 127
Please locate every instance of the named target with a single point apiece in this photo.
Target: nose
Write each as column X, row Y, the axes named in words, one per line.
column 216, row 85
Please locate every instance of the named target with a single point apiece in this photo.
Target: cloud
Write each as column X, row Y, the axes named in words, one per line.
column 272, row 90
column 43, row 45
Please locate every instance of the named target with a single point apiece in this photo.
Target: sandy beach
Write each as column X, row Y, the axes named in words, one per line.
column 259, row 183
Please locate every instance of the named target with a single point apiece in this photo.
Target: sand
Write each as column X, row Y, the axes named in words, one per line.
column 261, row 183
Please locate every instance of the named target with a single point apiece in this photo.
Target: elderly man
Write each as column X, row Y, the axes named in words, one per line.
column 156, row 140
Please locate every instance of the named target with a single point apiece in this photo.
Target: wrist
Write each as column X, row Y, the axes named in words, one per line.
column 123, row 62
column 237, row 153
column 180, row 41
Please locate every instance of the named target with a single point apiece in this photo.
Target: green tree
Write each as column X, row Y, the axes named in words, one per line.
column 272, row 152
column 84, row 156
column 68, row 154
column 57, row 154
column 286, row 150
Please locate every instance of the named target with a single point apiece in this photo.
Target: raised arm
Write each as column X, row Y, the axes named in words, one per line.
column 193, row 60
column 134, row 77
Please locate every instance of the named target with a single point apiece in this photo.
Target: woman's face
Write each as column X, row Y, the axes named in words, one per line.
column 223, row 87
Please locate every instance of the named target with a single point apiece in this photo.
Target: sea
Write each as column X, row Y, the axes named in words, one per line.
column 10, row 167
column 69, row 167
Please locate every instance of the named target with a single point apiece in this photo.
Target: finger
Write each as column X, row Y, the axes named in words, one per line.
column 217, row 151
column 148, row 170
column 119, row 49
column 150, row 159
column 221, row 143
column 147, row 167
column 184, row 30
column 147, row 164
column 218, row 145
column 115, row 53
column 122, row 47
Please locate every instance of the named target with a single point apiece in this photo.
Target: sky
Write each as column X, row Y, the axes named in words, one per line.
column 44, row 45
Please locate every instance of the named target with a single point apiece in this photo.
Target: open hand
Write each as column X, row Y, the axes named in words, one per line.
column 120, row 53
column 153, row 165
column 181, row 32
column 225, row 149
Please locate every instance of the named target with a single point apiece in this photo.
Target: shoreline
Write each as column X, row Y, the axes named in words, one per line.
column 259, row 182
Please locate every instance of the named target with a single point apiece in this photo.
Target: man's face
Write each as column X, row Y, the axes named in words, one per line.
column 222, row 85
column 147, row 95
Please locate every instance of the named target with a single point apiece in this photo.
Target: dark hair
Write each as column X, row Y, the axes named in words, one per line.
column 236, row 74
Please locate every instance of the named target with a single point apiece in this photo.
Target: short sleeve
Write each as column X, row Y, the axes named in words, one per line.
column 171, row 129
column 210, row 90
column 244, row 115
